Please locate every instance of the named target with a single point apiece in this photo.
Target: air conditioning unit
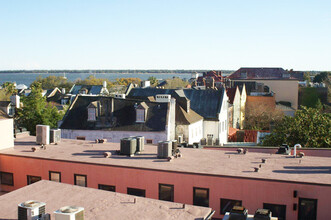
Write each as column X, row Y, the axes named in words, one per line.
column 203, row 141
column 217, row 141
column 180, row 139
column 31, row 210
column 42, row 134
column 174, row 146
column 69, row 213
column 262, row 214
column 140, row 143
column 164, row 149
column 128, row 146
column 210, row 141
column 55, row 135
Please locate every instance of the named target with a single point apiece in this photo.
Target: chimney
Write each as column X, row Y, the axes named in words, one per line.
column 63, row 90
column 15, row 100
column 104, row 84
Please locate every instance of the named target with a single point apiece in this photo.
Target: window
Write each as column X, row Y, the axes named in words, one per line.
column 277, row 210
column 137, row 192
column 166, row 192
column 55, row 176
column 80, row 137
column 107, row 187
column 80, row 180
column 140, row 117
column 201, row 196
column 6, row 178
column 149, row 141
column 307, row 209
column 227, row 205
column 33, row 179
column 91, row 114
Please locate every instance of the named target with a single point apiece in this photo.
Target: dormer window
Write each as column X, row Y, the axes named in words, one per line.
column 243, row 75
column 141, row 112
column 83, row 91
column 91, row 114
column 92, row 111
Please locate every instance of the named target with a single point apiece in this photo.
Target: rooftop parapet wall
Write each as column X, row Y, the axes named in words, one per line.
column 6, row 133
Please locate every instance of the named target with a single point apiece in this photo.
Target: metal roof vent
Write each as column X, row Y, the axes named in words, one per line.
column 69, row 213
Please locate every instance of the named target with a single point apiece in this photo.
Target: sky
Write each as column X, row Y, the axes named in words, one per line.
column 165, row 34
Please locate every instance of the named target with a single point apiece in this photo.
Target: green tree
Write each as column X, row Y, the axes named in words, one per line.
column 175, row 83
column 153, row 80
column 310, row 97
column 321, row 77
column 36, row 110
column 92, row 80
column 309, row 127
column 8, row 89
column 51, row 82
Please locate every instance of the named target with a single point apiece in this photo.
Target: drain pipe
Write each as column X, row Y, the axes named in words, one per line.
column 295, row 149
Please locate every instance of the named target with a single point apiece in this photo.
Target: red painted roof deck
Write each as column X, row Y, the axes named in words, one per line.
column 97, row 204
column 195, row 161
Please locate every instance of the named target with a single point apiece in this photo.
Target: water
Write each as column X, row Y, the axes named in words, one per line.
column 28, row 78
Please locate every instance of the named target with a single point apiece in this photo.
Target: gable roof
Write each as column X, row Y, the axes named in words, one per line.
column 4, row 103
column 186, row 118
column 122, row 118
column 231, row 92
column 3, row 115
column 206, row 103
column 216, row 75
column 261, row 73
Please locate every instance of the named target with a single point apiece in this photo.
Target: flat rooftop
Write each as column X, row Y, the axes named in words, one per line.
column 199, row 161
column 97, row 204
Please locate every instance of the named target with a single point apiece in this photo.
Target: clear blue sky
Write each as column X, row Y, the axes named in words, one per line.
column 165, row 34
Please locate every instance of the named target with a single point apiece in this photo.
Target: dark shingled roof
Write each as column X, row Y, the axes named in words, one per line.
column 4, row 103
column 91, row 89
column 261, row 73
column 3, row 115
column 123, row 118
column 206, row 103
column 231, row 92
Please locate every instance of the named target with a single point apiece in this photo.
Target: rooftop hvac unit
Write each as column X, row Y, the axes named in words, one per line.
column 217, row 141
column 42, row 134
column 174, row 146
column 262, row 214
column 203, row 141
column 180, row 139
column 69, row 213
column 128, row 146
column 55, row 135
column 164, row 149
column 140, row 143
column 238, row 213
column 197, row 145
column 31, row 210
column 210, row 141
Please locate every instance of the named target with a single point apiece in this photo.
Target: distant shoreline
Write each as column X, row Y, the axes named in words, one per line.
column 129, row 71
